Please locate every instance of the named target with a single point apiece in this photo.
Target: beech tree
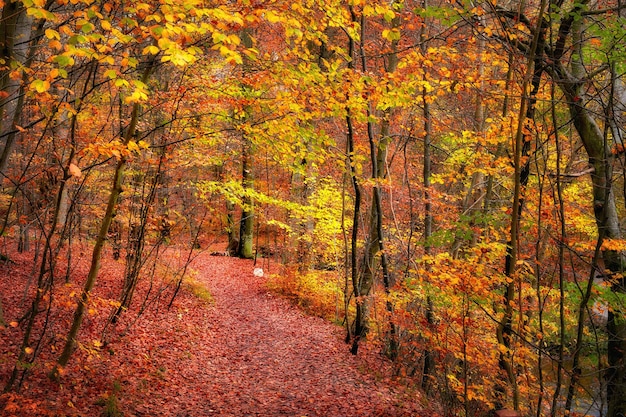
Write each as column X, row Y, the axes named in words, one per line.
column 563, row 36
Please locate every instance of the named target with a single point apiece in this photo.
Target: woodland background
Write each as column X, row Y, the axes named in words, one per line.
column 445, row 179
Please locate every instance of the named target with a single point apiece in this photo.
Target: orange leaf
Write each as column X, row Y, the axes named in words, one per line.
column 75, row 171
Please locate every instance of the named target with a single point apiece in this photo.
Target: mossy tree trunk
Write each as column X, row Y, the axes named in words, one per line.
column 116, row 190
column 246, row 224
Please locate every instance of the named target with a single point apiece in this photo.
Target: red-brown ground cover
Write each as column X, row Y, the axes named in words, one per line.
column 249, row 353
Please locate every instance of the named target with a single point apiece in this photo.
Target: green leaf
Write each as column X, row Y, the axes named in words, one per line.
column 389, row 15
column 87, row 28
column 63, row 60
column 112, row 74
column 391, row 34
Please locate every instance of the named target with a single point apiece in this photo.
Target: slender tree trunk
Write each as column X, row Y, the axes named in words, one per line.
column 44, row 285
column 354, row 270
column 136, row 241
column 428, row 371
column 521, row 163
column 597, row 146
column 429, row 356
column 246, row 224
column 375, row 241
column 93, row 271
column 116, row 190
column 607, row 221
column 561, row 256
column 230, row 224
column 302, row 187
column 46, row 269
column 15, row 31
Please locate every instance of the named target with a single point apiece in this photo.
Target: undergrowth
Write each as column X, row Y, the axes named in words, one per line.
column 110, row 402
column 199, row 290
column 316, row 292
column 195, row 287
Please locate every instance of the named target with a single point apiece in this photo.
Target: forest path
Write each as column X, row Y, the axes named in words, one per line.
column 248, row 353
column 267, row 358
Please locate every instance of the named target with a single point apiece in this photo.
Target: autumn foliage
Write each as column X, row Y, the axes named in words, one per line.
column 444, row 180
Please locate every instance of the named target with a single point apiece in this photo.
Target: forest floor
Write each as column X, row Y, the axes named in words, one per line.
column 249, row 352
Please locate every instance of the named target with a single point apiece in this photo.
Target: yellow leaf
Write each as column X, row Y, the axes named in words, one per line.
column 28, row 350
column 120, row 82
column 151, row 49
column 41, row 86
column 389, row 15
column 164, row 43
column 52, row 34
column 143, row 6
column 132, row 146
column 13, row 324
column 108, row 60
column 271, row 16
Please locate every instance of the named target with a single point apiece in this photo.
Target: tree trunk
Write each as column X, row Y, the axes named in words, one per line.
column 230, row 225
column 246, row 224
column 375, row 241
column 116, row 190
column 93, row 270
column 303, row 240
column 565, row 64
column 15, row 33
column 532, row 80
column 354, row 270
column 137, row 236
column 598, row 149
column 607, row 221
column 428, row 370
column 44, row 285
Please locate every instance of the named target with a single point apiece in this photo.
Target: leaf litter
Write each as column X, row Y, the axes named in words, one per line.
column 249, row 353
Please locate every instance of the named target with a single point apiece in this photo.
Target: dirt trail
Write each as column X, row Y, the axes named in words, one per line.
column 267, row 358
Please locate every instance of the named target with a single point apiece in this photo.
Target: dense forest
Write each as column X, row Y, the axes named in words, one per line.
column 444, row 179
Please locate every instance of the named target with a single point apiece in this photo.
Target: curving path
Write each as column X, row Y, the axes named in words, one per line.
column 264, row 357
